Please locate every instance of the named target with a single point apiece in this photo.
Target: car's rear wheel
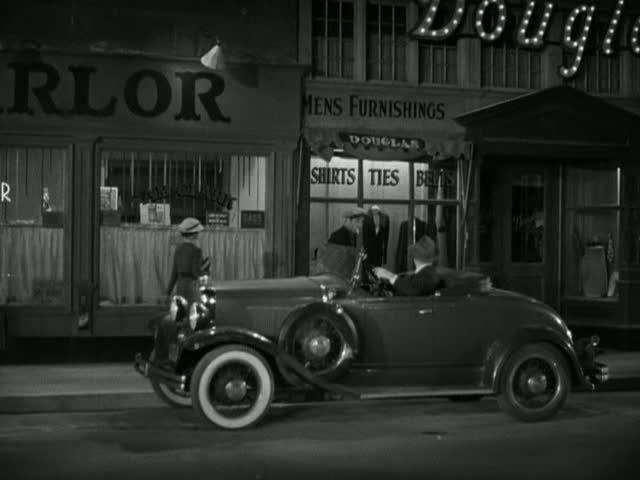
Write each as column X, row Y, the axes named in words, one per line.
column 534, row 383
column 232, row 387
column 321, row 341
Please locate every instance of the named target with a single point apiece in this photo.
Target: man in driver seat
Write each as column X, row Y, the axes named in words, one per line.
column 424, row 280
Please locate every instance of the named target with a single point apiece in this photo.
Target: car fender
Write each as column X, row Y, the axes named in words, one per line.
column 499, row 352
column 214, row 336
column 203, row 341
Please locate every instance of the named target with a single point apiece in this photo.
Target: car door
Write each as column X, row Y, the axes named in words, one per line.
column 397, row 333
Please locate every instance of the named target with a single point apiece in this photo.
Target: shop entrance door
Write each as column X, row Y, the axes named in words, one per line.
column 528, row 237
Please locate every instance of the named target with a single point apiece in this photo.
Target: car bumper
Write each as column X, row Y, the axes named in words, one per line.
column 596, row 372
column 153, row 372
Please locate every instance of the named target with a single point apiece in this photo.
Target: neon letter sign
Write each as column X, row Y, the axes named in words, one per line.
column 574, row 39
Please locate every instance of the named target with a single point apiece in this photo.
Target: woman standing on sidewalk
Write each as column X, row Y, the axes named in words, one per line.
column 187, row 261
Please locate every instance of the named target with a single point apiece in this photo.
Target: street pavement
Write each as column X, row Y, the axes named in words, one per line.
column 594, row 437
column 107, row 386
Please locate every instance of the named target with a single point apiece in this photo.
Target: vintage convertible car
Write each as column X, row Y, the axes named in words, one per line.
column 247, row 344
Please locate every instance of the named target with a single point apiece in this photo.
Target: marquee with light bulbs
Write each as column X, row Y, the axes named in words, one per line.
column 573, row 41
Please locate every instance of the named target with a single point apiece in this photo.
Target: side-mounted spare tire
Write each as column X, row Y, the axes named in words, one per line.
column 324, row 341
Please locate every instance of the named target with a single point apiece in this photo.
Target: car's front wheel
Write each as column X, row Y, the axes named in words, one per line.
column 534, row 383
column 232, row 387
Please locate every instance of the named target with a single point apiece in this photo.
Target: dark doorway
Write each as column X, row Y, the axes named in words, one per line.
column 526, row 244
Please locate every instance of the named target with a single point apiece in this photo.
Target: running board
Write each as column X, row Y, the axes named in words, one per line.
column 415, row 392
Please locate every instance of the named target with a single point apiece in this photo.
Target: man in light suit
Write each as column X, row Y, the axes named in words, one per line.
column 424, row 280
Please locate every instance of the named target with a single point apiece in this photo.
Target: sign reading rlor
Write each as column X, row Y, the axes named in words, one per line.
column 5, row 190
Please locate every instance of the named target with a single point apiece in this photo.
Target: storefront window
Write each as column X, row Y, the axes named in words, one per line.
column 634, row 226
column 387, row 197
column 592, row 220
column 143, row 195
column 527, row 219
column 34, row 200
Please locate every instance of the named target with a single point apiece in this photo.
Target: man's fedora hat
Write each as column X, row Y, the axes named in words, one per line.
column 424, row 250
column 355, row 212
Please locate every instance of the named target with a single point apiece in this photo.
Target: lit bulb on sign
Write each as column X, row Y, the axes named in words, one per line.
column 423, row 28
column 528, row 35
column 635, row 37
column 538, row 39
column 613, row 26
column 578, row 44
column 500, row 24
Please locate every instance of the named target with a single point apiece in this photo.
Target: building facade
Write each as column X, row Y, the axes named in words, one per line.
column 111, row 134
column 544, row 163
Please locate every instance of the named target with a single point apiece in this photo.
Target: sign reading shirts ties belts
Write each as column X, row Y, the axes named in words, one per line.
column 577, row 27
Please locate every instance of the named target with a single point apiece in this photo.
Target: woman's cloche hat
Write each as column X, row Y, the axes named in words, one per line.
column 190, row 225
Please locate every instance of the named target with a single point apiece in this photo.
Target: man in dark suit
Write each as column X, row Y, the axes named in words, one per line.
column 424, row 280
column 375, row 236
column 347, row 234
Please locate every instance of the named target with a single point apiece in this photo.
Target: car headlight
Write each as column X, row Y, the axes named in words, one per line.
column 178, row 308
column 198, row 316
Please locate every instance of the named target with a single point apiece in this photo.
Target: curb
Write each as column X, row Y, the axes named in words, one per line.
column 83, row 402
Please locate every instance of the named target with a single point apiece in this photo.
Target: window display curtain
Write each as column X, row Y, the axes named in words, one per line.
column 31, row 260
column 135, row 263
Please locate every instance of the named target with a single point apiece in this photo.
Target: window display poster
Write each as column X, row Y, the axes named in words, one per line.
column 155, row 214
column 108, row 198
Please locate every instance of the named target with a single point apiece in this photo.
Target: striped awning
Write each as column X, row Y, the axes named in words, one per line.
column 384, row 146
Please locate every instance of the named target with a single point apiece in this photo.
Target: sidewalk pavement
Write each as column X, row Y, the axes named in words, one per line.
column 112, row 386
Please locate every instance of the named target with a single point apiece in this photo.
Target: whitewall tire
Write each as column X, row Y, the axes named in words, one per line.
column 232, row 387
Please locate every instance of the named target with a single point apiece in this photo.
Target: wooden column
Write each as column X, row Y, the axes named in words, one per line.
column 281, row 204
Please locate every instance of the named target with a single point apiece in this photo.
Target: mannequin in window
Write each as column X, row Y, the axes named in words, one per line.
column 419, row 228
column 375, row 236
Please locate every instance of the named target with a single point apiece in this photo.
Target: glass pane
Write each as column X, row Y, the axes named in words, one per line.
column 634, row 238
column 143, row 195
column 435, row 183
column 386, row 180
column 527, row 218
column 337, row 178
column 591, row 187
column 390, row 252
column 441, row 225
column 584, row 232
column 34, row 201
column 486, row 217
